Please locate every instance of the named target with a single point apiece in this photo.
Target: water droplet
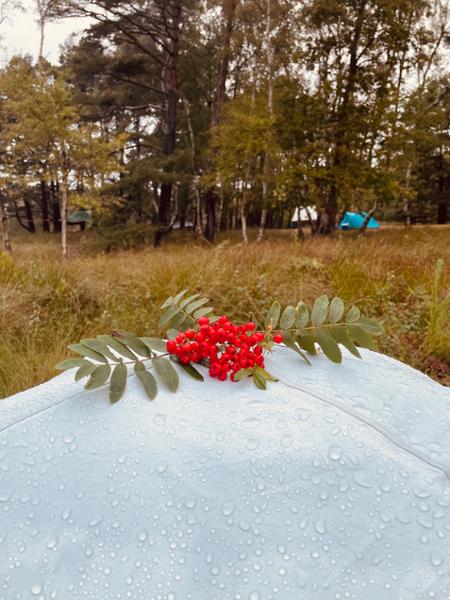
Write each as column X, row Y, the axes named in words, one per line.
column 228, row 509
column 251, row 422
column 142, row 535
column 162, row 467
column 436, row 559
column 320, row 526
column 160, row 419
column 96, row 520
column 335, row 452
column 36, row 589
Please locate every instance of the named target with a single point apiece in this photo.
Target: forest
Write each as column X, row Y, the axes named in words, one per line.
column 212, row 115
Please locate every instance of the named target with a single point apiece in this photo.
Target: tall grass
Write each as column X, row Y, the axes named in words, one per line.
column 45, row 304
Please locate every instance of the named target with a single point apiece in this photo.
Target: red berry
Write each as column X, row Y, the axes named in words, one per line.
column 278, row 338
column 250, row 326
column 203, row 321
column 190, row 334
column 171, row 346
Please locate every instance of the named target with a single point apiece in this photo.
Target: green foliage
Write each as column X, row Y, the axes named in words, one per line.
column 183, row 310
column 142, row 353
column 324, row 325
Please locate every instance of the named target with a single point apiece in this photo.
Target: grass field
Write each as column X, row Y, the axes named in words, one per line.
column 391, row 275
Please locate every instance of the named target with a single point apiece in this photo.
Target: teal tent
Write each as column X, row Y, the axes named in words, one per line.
column 353, row 220
column 79, row 216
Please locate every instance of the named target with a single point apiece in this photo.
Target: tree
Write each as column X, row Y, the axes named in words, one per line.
column 44, row 140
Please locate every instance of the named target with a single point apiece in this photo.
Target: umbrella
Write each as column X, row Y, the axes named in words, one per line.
column 332, row 484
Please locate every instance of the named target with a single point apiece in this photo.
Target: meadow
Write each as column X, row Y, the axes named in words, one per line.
column 399, row 276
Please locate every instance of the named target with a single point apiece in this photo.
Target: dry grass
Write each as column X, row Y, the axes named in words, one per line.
column 44, row 304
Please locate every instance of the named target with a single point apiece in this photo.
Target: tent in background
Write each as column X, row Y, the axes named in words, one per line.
column 304, row 215
column 354, row 220
column 80, row 217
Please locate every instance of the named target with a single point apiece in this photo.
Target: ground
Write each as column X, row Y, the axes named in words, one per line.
column 105, row 285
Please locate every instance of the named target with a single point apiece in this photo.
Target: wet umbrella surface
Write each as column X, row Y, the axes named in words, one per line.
column 332, row 484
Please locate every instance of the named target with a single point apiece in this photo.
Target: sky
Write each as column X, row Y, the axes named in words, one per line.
column 20, row 34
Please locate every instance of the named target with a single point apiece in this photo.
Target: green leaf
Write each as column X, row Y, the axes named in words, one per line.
column 328, row 344
column 118, row 383
column 134, row 343
column 192, row 371
column 371, row 326
column 116, row 345
column 85, row 351
column 354, row 314
column 265, row 374
column 306, row 341
column 202, row 312
column 273, row 316
column 85, row 370
column 70, row 363
column 168, row 315
column 167, row 303
column 193, row 306
column 178, row 297
column 289, row 341
column 171, row 334
column 259, row 380
column 337, row 309
column 173, row 299
column 288, row 317
column 98, row 346
column 242, row 374
column 186, row 301
column 341, row 336
column 147, row 380
column 302, row 319
column 99, row 377
column 319, row 312
column 178, row 319
column 361, row 337
column 155, row 343
column 167, row 373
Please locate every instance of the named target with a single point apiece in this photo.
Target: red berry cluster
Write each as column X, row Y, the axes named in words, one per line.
column 225, row 347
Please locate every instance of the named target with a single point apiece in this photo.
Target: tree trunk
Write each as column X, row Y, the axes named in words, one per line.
column 300, row 232
column 169, row 81
column 314, row 228
column 64, row 210
column 41, row 37
column 29, row 214
column 4, row 228
column 367, row 218
column 243, row 217
column 442, row 216
column 342, row 144
column 56, row 211
column 165, row 196
column 406, row 204
column 229, row 11
column 210, row 205
column 266, row 167
column 44, row 207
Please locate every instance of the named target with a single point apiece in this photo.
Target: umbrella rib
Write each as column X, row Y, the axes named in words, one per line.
column 366, row 421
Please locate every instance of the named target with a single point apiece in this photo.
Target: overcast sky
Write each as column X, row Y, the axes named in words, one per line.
column 20, row 34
